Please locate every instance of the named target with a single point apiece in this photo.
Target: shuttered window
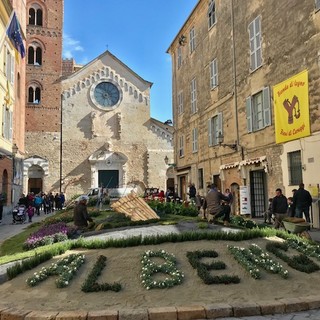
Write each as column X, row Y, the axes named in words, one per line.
column 258, row 110
column 214, row 128
column 255, row 44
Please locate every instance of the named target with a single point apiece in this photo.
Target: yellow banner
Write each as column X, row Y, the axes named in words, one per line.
column 291, row 108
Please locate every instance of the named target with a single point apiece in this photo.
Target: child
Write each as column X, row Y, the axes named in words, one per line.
column 30, row 212
column 290, row 211
column 268, row 213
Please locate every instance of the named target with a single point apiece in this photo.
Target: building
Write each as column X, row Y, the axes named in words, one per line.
column 245, row 99
column 75, row 141
column 108, row 136
column 12, row 97
column 43, row 95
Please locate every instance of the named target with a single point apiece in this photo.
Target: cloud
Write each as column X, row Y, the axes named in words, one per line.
column 70, row 45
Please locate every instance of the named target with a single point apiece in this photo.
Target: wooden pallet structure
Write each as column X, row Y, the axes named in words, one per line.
column 134, row 207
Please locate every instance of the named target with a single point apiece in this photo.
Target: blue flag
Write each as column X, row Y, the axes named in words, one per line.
column 14, row 34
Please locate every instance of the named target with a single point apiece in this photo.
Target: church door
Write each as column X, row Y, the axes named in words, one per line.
column 109, row 178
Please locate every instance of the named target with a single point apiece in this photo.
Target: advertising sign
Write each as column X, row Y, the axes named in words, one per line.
column 291, row 108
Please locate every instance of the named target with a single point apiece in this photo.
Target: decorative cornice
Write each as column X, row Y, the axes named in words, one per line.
column 105, row 73
column 34, row 30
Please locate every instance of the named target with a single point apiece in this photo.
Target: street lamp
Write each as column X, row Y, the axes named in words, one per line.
column 220, row 139
column 166, row 160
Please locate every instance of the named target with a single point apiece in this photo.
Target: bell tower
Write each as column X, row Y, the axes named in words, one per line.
column 43, row 88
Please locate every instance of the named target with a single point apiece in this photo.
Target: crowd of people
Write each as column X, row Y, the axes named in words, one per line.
column 41, row 202
column 281, row 207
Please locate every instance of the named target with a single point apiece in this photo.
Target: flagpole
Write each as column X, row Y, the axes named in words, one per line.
column 5, row 31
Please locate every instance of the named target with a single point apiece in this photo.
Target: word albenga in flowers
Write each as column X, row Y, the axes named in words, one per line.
column 174, row 276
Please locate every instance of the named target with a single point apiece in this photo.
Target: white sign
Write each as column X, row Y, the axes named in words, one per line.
column 245, row 206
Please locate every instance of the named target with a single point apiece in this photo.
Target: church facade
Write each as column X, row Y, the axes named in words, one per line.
column 108, row 136
column 86, row 125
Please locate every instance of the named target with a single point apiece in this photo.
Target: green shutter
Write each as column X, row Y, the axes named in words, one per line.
column 249, row 114
column 210, row 132
column 266, row 107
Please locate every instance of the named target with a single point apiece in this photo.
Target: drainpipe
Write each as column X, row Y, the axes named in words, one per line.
column 234, row 66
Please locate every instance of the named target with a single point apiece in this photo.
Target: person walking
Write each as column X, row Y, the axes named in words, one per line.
column 279, row 207
column 302, row 201
column 213, row 204
column 192, row 192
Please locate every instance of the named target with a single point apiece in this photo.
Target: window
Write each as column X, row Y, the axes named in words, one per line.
column 317, row 4
column 255, row 43
column 34, row 95
column 7, row 124
column 9, row 65
column 180, row 102
column 35, row 16
column 192, row 41
column 258, row 110
column 211, row 13
column 214, row 128
column 200, row 178
column 295, row 167
column 213, row 73
column 35, row 54
column 179, row 57
column 194, row 139
column 193, row 96
column 181, row 146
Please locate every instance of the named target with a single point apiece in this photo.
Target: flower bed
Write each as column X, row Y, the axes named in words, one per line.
column 149, row 268
column 65, row 268
column 48, row 234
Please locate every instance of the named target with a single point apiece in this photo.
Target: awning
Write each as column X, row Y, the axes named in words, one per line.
column 252, row 161
column 229, row 165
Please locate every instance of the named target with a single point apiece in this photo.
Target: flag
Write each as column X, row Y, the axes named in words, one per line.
column 14, row 34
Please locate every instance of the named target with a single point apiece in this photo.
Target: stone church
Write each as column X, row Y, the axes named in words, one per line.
column 108, row 136
column 86, row 125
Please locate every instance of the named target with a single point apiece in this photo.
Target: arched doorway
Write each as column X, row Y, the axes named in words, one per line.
column 5, row 184
column 35, row 179
column 34, row 171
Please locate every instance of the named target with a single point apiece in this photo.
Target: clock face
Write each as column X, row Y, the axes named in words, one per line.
column 106, row 94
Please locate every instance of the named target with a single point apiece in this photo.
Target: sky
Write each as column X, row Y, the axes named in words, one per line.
column 137, row 32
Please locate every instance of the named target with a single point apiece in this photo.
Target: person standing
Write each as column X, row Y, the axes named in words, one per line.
column 214, row 207
column 302, row 201
column 279, row 207
column 192, row 192
column 80, row 213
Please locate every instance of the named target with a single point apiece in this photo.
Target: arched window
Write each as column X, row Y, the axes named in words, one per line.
column 30, row 55
column 34, row 95
column 35, row 54
column 35, row 16
column 39, row 17
column 32, row 16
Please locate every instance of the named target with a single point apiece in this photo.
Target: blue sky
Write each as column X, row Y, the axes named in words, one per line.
column 138, row 32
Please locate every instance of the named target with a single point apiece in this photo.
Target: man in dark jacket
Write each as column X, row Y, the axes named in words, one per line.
column 80, row 213
column 214, row 206
column 302, row 201
column 279, row 207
